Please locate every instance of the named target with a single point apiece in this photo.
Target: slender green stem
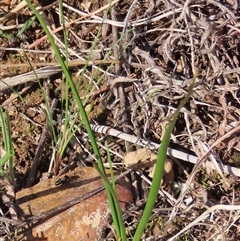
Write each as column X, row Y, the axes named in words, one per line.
column 117, row 215
column 8, row 157
column 115, row 207
column 71, row 84
column 158, row 173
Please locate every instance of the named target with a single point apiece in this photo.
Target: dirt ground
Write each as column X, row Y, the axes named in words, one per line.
column 143, row 57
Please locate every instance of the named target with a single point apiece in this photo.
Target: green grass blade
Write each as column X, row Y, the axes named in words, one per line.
column 114, row 205
column 26, row 25
column 162, row 155
column 5, row 126
column 5, row 158
column 71, row 84
column 112, row 199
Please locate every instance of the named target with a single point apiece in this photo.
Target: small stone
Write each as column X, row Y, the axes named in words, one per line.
column 86, row 220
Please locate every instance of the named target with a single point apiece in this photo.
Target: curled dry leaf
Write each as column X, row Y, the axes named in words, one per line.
column 146, row 159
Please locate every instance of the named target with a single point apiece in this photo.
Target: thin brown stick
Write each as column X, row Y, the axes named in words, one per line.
column 43, row 72
column 121, row 90
column 74, row 63
column 33, row 170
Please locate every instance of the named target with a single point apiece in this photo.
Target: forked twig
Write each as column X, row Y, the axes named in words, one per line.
column 204, row 216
